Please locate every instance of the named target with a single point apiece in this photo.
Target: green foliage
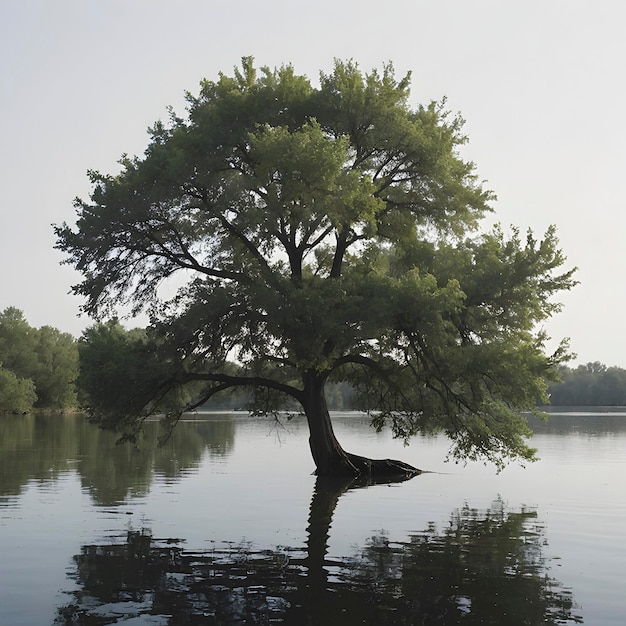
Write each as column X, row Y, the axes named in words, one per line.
column 119, row 370
column 57, row 368
column 40, row 365
column 18, row 343
column 320, row 233
column 593, row 384
column 128, row 373
column 17, row 395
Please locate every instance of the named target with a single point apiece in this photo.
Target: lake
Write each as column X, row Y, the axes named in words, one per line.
column 227, row 525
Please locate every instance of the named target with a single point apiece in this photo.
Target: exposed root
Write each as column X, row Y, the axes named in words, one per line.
column 383, row 469
column 370, row 471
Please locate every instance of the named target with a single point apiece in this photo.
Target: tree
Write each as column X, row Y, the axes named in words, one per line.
column 45, row 359
column 323, row 233
column 121, row 373
column 17, row 395
column 18, row 341
column 57, row 368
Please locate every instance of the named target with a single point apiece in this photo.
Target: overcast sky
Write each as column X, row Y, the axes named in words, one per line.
column 540, row 83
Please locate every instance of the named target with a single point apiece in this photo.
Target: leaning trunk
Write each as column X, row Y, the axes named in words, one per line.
column 329, row 457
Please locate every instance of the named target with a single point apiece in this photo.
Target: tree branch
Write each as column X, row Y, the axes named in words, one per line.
column 242, row 381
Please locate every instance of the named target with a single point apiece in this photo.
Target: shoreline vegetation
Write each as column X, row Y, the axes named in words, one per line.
column 551, row 409
column 41, row 370
column 39, row 367
column 46, row 411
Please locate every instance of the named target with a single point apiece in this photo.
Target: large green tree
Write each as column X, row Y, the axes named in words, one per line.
column 322, row 233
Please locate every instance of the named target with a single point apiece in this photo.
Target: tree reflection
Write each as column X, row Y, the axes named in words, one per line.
column 584, row 420
column 41, row 447
column 483, row 567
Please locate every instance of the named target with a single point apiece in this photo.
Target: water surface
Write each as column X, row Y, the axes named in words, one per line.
column 227, row 525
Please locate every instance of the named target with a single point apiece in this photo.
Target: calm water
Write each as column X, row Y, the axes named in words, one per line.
column 226, row 525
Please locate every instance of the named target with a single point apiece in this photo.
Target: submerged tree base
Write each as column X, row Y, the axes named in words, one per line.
column 371, row 470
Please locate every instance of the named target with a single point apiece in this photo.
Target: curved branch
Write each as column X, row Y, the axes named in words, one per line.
column 172, row 419
column 200, row 194
column 251, row 247
column 359, row 359
column 384, row 374
column 179, row 260
column 242, row 381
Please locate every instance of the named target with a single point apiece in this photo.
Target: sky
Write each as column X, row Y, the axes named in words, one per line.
column 541, row 85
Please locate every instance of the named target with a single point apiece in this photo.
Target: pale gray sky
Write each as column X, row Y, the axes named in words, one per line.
column 541, row 84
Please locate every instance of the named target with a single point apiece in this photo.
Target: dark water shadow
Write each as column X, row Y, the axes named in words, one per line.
column 483, row 567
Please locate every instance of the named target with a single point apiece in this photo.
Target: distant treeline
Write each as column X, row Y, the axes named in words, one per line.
column 46, row 368
column 593, row 384
column 38, row 366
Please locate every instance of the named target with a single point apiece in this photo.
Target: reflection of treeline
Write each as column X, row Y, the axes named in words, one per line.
column 35, row 447
column 593, row 384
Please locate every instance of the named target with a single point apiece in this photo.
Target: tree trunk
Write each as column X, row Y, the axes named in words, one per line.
column 329, row 457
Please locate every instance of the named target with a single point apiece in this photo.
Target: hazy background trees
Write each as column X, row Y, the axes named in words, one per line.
column 593, row 384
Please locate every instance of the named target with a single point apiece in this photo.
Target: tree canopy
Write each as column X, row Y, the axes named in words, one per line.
column 315, row 233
